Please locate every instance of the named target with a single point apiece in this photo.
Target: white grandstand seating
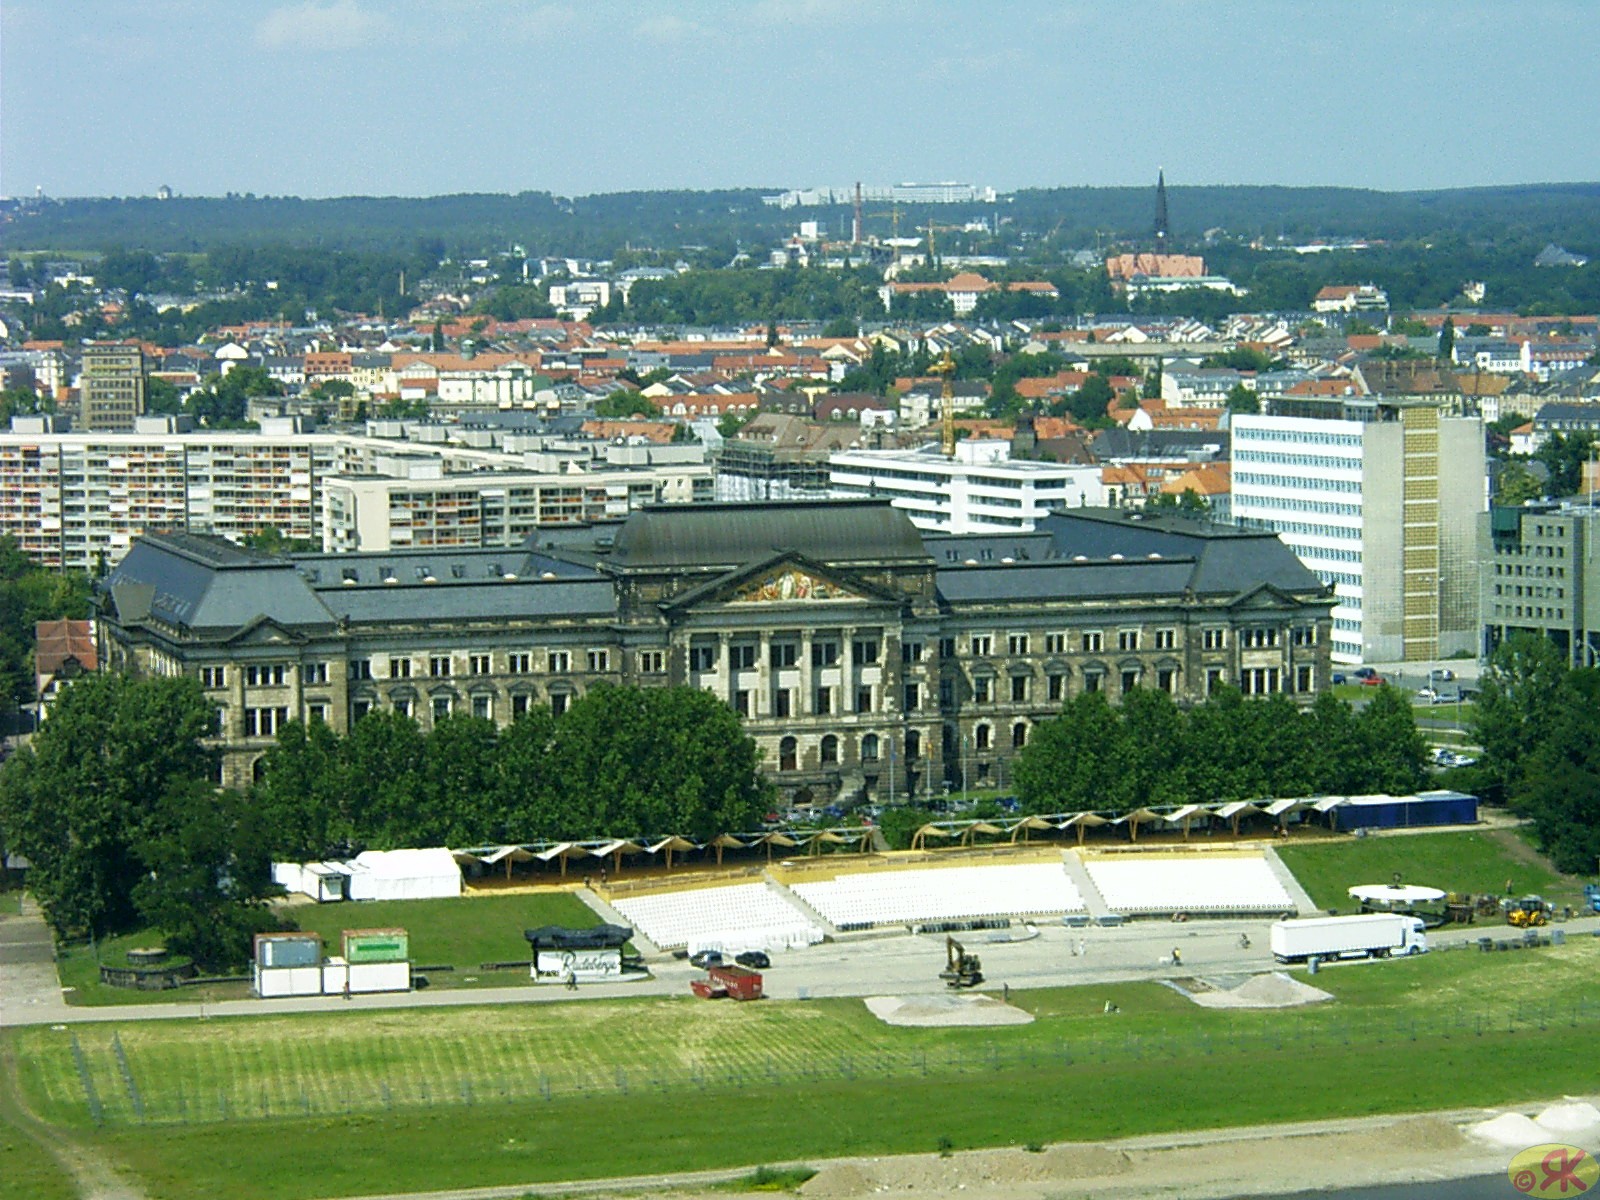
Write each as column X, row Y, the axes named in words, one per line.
column 1195, row 883
column 942, row 894
column 744, row 916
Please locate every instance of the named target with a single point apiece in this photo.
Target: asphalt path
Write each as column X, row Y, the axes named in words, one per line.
column 881, row 963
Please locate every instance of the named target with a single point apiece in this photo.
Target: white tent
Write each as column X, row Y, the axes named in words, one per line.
column 404, row 875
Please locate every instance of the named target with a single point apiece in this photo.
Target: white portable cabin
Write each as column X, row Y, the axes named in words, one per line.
column 321, row 881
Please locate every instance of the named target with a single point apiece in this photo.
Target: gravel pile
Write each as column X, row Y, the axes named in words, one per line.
column 956, row 1008
column 1513, row 1130
column 1574, row 1120
column 1273, row 990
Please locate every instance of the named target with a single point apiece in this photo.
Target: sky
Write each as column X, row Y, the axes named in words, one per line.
column 425, row 97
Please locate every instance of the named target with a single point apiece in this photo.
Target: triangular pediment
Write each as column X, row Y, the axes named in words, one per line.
column 1264, row 598
column 785, row 580
column 264, row 631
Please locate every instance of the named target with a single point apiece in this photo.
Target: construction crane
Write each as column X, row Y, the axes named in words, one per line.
column 946, row 366
column 893, row 214
column 929, row 228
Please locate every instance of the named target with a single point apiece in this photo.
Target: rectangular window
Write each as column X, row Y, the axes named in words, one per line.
column 359, row 709
column 1130, row 680
column 399, row 668
column 360, row 668
column 784, row 654
column 947, row 647
column 1056, row 687
column 824, row 654
column 1055, row 643
column 1091, row 643
column 702, row 656
column 911, row 694
column 558, row 703
column 910, row 652
column 741, row 702
column 1302, row 679
column 1127, row 639
column 441, row 707
column 1166, row 679
column 213, row 677
column 982, row 645
column 316, row 672
column 652, row 662
column 864, row 651
column 1166, row 639
column 317, row 712
column 519, row 663
column 864, row 698
column 982, row 690
column 439, row 666
column 824, row 701
column 1214, row 680
column 519, row 705
column 780, row 703
column 1091, row 681
column 1017, row 643
column 264, row 675
column 558, row 662
column 1303, row 635
column 742, row 655
column 1019, row 689
column 483, row 707
column 1213, row 639
column 478, row 664
column 599, row 661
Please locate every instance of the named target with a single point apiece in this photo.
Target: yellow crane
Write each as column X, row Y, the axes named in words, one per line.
column 929, row 229
column 946, row 367
column 893, row 213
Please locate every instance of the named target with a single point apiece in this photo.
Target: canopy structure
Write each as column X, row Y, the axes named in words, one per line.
column 932, row 829
column 725, row 841
column 670, row 845
column 1029, row 825
column 1134, row 819
column 1395, row 895
column 1083, row 821
column 1233, row 811
column 403, row 875
column 596, row 937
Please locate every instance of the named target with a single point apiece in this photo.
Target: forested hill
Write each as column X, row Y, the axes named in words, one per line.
column 603, row 225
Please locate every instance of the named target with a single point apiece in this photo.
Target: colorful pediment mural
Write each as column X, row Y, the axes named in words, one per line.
column 788, row 584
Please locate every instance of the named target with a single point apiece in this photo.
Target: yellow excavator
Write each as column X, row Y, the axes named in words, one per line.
column 961, row 970
column 1528, row 913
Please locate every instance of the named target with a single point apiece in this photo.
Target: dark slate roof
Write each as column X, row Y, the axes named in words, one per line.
column 1117, row 443
column 690, row 536
column 1064, row 580
column 211, row 583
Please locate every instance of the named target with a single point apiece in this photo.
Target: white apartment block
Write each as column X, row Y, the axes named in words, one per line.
column 982, row 489
column 1384, row 510
column 79, row 499
column 413, row 503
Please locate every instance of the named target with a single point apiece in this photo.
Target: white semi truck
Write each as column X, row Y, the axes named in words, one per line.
column 1371, row 935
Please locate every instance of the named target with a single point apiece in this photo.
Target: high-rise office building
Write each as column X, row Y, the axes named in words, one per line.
column 1382, row 502
column 111, row 387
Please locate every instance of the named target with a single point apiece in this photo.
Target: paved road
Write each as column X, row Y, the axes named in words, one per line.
column 881, row 963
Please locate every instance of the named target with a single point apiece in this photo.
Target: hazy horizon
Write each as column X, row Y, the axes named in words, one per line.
column 328, row 99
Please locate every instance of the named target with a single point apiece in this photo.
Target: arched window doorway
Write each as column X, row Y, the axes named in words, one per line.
column 787, row 750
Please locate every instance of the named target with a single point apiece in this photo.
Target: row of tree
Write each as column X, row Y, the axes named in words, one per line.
column 114, row 802
column 1149, row 751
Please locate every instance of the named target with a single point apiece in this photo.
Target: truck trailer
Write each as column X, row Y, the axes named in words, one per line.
column 1371, row 935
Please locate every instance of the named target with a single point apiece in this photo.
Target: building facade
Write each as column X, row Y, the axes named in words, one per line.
column 111, row 386
column 1383, row 505
column 1538, row 574
column 981, row 489
column 865, row 659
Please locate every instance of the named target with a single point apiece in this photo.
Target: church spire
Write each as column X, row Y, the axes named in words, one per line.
column 1161, row 210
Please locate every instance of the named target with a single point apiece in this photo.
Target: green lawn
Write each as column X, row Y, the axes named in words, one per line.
column 1475, row 861
column 461, row 933
column 508, row 1095
column 28, row 1173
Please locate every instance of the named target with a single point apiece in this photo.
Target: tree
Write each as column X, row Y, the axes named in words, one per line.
column 1242, row 399
column 1560, row 788
column 1447, row 340
column 383, row 765
column 457, row 782
column 1515, row 484
column 1076, row 760
column 207, row 873
column 161, row 396
column 1564, row 455
column 81, row 800
column 302, row 796
column 620, row 405
column 1513, row 715
column 1392, row 751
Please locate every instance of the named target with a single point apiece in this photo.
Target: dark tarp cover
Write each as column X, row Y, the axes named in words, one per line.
column 559, row 937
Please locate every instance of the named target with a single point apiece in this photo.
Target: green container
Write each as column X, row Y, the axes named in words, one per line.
column 376, row 945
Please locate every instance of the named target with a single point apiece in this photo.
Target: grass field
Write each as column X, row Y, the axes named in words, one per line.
column 460, row 933
column 413, row 1100
column 1478, row 861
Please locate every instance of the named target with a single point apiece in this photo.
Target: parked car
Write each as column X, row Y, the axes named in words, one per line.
column 1339, row 677
column 1444, row 674
column 706, row 958
column 1373, row 680
column 1365, row 673
column 1431, row 696
column 756, row 960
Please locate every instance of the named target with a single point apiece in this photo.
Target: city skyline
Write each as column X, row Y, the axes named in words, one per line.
column 426, row 97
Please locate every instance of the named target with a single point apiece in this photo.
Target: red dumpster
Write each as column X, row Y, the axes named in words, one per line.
column 740, row 983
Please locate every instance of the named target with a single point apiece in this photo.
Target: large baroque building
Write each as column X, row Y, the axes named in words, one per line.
column 867, row 658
